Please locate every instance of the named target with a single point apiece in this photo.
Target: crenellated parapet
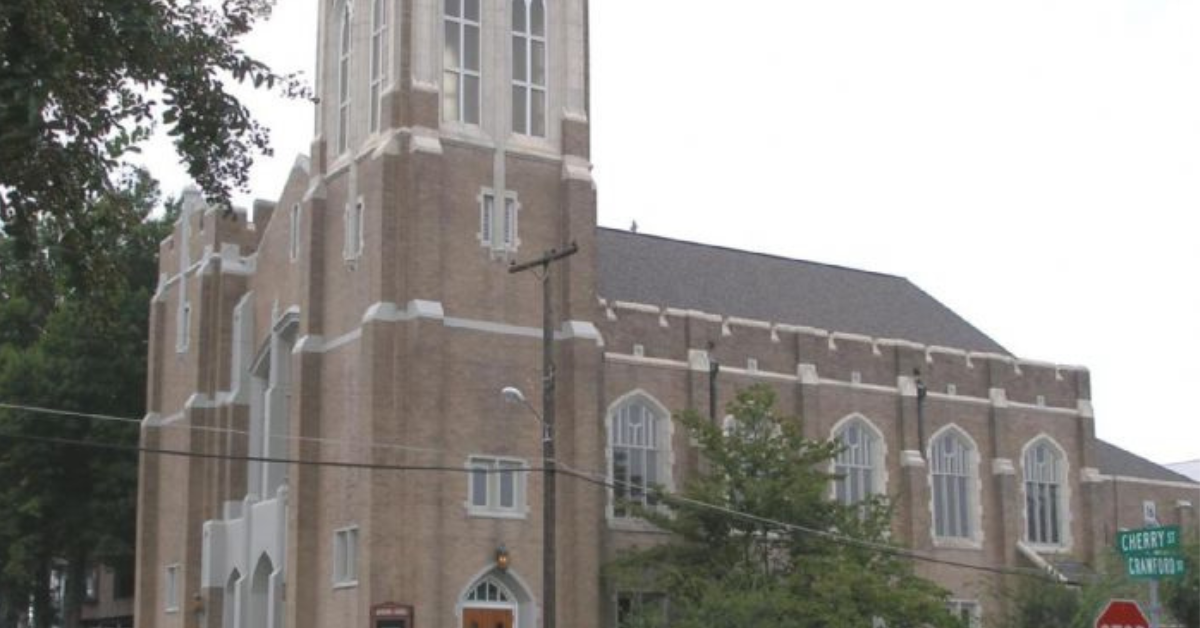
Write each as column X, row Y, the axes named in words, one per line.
column 773, row 350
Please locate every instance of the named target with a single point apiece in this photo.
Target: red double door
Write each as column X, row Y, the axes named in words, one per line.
column 487, row 618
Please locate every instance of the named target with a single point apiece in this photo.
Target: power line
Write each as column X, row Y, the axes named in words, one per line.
column 211, row 429
column 75, row 442
column 593, row 478
column 834, row 537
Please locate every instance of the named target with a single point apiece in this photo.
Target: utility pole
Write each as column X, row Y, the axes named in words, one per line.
column 549, row 590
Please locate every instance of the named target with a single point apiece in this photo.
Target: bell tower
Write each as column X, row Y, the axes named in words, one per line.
column 453, row 136
column 451, row 141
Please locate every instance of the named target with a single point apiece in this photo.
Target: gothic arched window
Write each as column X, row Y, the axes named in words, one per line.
column 639, row 445
column 858, row 464
column 1044, row 520
column 461, row 74
column 529, row 67
column 345, row 40
column 952, row 471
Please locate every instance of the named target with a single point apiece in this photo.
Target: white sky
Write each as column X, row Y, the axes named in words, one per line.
column 1033, row 164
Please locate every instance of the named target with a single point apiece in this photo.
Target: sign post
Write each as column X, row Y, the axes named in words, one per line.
column 1122, row 614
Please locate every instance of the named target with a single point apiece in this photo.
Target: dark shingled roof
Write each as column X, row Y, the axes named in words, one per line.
column 660, row 271
column 1112, row 460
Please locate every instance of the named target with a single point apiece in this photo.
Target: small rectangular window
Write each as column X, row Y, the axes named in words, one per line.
column 752, row 365
column 345, row 557
column 184, row 323
column 966, row 610
column 353, row 245
column 496, row 486
column 498, row 232
column 641, row 608
column 171, row 586
column 294, row 233
column 951, row 389
column 486, row 217
column 91, row 585
column 855, row 377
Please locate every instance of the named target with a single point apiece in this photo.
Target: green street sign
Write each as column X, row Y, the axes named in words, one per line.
column 1155, row 566
column 1148, row 540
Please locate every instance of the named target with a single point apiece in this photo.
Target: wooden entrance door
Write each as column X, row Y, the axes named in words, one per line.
column 487, row 618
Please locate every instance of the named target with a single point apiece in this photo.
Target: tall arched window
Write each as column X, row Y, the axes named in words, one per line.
column 1044, row 493
column 229, row 612
column 379, row 28
column 345, row 40
column 858, row 463
column 529, row 67
column 460, row 61
column 952, row 471
column 639, row 441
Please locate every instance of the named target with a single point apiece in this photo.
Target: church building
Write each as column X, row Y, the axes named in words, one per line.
column 332, row 368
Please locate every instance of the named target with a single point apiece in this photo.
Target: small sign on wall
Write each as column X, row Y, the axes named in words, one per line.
column 390, row 615
column 1150, row 512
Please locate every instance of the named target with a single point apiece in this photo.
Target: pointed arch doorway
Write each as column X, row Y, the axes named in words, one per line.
column 496, row 600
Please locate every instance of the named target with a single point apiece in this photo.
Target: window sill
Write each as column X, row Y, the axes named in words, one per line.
column 940, row 542
column 349, row 584
column 475, row 512
column 1049, row 548
column 632, row 524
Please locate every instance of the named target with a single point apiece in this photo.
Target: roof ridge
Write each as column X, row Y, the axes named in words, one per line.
column 1162, row 467
column 724, row 247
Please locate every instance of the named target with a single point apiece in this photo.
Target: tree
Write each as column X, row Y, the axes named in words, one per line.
column 1182, row 597
column 82, row 82
column 74, row 342
column 756, row 540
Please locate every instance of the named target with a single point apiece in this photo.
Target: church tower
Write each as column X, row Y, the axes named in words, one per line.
column 339, row 361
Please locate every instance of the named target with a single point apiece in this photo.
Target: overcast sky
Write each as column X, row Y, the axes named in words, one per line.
column 1033, row 164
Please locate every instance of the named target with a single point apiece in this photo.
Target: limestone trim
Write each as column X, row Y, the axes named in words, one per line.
column 911, row 458
column 622, row 358
column 1044, row 409
column 1003, row 466
column 835, row 336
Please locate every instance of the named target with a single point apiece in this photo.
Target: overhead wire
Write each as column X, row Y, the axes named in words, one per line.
column 213, row 429
column 559, row 466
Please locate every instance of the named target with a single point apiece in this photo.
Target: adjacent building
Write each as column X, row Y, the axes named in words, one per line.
column 362, row 326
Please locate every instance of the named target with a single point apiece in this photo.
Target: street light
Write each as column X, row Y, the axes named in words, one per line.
column 512, row 394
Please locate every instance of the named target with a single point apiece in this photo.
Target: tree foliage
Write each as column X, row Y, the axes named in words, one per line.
column 773, row 564
column 82, row 82
column 1182, row 596
column 74, row 341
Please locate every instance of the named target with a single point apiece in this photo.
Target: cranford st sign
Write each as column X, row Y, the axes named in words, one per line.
column 1152, row 566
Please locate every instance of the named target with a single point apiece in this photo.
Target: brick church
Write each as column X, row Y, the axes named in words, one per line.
column 363, row 326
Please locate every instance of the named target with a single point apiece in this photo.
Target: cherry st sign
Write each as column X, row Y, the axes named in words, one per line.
column 1122, row 614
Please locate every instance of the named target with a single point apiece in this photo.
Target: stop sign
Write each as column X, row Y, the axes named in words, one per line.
column 1122, row 614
